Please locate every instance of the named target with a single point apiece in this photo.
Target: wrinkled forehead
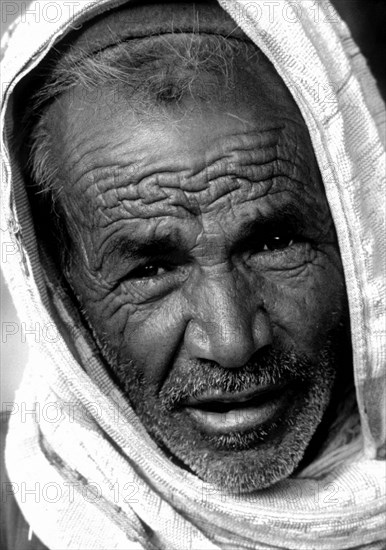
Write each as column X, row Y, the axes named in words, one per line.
column 90, row 137
column 248, row 98
column 212, row 157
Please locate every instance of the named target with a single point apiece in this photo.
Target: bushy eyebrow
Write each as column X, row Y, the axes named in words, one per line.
column 147, row 247
column 288, row 218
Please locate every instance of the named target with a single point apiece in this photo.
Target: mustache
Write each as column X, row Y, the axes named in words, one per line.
column 268, row 367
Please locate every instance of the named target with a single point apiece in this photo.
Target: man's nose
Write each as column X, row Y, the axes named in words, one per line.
column 228, row 325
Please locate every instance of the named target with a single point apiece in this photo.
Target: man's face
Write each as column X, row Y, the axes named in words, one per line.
column 205, row 260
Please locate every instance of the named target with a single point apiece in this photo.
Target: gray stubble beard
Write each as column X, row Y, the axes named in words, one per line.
column 235, row 462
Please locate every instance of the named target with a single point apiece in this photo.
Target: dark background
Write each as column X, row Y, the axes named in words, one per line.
column 367, row 21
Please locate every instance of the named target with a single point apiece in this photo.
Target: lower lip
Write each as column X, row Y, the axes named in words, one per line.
column 241, row 419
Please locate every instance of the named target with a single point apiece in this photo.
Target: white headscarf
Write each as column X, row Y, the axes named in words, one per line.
column 103, row 483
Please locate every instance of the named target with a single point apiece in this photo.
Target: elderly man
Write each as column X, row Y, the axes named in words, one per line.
column 179, row 189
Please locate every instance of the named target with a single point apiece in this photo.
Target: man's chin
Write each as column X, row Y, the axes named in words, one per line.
column 243, row 461
column 241, row 472
column 240, row 431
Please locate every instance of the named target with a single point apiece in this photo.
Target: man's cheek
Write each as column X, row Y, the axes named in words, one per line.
column 106, row 311
column 149, row 335
column 303, row 311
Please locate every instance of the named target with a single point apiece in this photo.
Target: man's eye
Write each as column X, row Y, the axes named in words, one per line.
column 278, row 242
column 148, row 271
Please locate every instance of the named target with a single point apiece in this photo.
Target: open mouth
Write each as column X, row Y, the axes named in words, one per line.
column 222, row 413
column 225, row 405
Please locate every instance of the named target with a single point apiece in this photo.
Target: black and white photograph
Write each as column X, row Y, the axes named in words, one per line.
column 193, row 273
